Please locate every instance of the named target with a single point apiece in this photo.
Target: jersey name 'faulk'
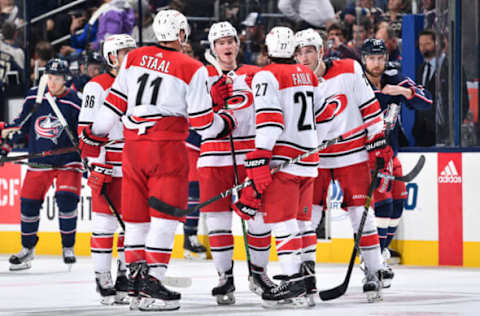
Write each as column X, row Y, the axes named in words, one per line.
column 300, row 79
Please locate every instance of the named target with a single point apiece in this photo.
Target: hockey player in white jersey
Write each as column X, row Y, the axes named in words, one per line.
column 157, row 92
column 353, row 101
column 286, row 98
column 231, row 89
column 106, row 176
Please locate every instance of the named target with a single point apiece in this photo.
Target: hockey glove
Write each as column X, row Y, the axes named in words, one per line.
column 230, row 123
column 257, row 164
column 248, row 204
column 90, row 144
column 100, row 174
column 219, row 92
column 378, row 150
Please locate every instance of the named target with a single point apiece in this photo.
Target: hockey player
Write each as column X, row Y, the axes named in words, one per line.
column 90, row 66
column 390, row 86
column 192, row 248
column 231, row 89
column 352, row 99
column 43, row 131
column 106, row 174
column 154, row 158
column 287, row 99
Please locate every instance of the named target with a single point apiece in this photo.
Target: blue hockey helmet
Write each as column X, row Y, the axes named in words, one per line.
column 373, row 46
column 57, row 66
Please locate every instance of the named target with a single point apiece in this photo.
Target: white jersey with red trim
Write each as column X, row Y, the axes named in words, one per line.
column 155, row 92
column 349, row 96
column 94, row 95
column 216, row 152
column 286, row 97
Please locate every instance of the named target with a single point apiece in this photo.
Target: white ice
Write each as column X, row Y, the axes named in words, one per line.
column 48, row 289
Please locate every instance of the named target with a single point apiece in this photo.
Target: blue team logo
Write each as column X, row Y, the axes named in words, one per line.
column 48, row 127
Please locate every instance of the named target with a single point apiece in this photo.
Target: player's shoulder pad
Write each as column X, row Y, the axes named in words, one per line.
column 247, row 69
column 212, row 71
column 105, row 80
column 341, row 66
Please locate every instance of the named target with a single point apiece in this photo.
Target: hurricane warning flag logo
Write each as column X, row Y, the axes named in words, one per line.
column 48, row 127
column 450, row 174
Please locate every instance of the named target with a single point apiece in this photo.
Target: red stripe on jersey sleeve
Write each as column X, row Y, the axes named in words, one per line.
column 113, row 156
column 81, row 127
column 370, row 109
column 116, row 101
column 224, row 146
column 269, row 118
column 202, row 121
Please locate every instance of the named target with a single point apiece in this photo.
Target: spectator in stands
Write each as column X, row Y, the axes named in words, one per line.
column 119, row 18
column 431, row 127
column 394, row 14
column 89, row 33
column 336, row 44
column 387, row 35
column 429, row 14
column 308, row 13
column 252, row 40
column 362, row 8
column 148, row 36
column 9, row 12
column 43, row 53
column 361, row 32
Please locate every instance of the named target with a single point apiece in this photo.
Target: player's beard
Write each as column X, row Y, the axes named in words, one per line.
column 376, row 72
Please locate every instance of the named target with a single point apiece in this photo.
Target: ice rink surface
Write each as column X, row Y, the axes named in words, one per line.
column 49, row 289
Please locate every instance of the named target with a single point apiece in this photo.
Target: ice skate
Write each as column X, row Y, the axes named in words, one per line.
column 69, row 257
column 121, row 287
column 105, row 287
column 225, row 288
column 193, row 249
column 394, row 257
column 156, row 297
column 372, row 287
column 138, row 271
column 386, row 271
column 22, row 260
column 259, row 282
column 308, row 270
column 291, row 293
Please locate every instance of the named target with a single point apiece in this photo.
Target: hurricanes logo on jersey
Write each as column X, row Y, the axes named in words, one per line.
column 335, row 105
column 239, row 100
column 48, row 127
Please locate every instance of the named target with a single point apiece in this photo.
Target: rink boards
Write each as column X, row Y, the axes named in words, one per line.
column 439, row 225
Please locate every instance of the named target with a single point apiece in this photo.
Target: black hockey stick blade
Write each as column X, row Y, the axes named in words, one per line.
column 168, row 209
column 409, row 176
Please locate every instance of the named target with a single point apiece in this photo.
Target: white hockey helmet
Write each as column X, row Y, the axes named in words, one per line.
column 308, row 37
column 280, row 42
column 167, row 25
column 219, row 30
column 114, row 43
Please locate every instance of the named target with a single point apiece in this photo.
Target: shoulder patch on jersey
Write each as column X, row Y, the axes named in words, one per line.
column 339, row 67
column 104, row 80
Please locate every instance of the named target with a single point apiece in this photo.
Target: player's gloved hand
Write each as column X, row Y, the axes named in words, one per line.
column 230, row 121
column 220, row 91
column 257, row 164
column 248, row 204
column 379, row 152
column 384, row 184
column 5, row 148
column 90, row 144
column 100, row 174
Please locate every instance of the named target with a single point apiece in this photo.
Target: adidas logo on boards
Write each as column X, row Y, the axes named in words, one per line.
column 450, row 174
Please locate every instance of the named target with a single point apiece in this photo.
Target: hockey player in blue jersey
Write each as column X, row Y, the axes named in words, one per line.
column 390, row 87
column 42, row 130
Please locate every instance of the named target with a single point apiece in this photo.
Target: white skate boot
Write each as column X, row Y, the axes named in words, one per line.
column 22, row 260
column 105, row 287
column 69, row 257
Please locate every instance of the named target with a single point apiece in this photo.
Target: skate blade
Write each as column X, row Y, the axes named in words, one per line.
column 374, row 296
column 386, row 283
column 134, row 303
column 294, row 302
column 227, row 299
column 195, row 256
column 20, row 266
column 69, row 266
column 311, row 300
column 108, row 300
column 153, row 304
column 122, row 298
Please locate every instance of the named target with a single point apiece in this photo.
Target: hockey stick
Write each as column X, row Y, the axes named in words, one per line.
column 409, row 176
column 42, row 84
column 165, row 208
column 39, row 154
column 342, row 288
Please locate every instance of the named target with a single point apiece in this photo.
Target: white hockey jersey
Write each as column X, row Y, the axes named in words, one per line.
column 350, row 98
column 216, row 152
column 286, row 97
column 156, row 91
column 94, row 95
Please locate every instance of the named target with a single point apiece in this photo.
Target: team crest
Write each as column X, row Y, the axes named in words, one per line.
column 239, row 100
column 48, row 127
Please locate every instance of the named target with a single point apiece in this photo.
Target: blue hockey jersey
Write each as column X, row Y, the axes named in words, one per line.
column 43, row 130
column 421, row 99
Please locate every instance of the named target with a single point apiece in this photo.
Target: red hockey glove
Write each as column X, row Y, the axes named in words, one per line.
column 257, row 164
column 230, row 121
column 378, row 150
column 99, row 175
column 248, row 204
column 90, row 144
column 220, row 91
